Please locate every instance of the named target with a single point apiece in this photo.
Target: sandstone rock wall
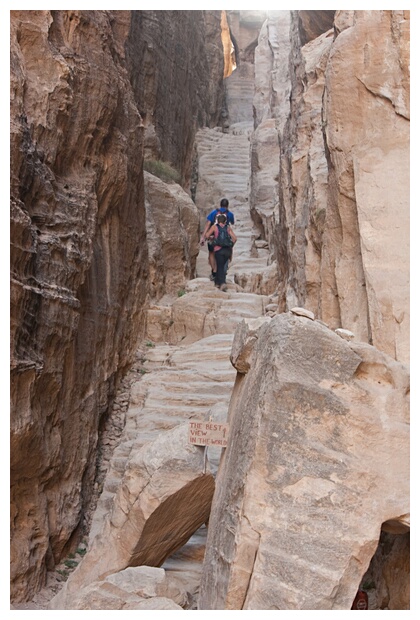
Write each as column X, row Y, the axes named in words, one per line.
column 367, row 132
column 176, row 68
column 78, row 265
column 271, row 105
column 79, row 258
column 172, row 224
column 91, row 92
column 333, row 105
column 244, row 29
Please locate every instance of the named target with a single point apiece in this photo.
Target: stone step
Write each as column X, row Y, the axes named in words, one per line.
column 112, row 483
column 194, row 378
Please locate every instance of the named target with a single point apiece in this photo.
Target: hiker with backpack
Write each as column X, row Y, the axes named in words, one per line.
column 224, row 240
column 211, row 219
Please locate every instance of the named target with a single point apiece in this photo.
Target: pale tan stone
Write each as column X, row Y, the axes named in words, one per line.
column 133, row 588
column 370, row 155
column 342, row 233
column 157, row 602
column 172, row 225
column 272, row 108
column 244, row 341
column 148, row 582
column 253, row 277
column 344, row 333
column 209, row 311
column 162, row 500
column 319, row 439
column 303, row 312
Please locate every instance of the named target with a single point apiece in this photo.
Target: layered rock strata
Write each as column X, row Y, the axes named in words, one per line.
column 79, row 258
column 78, row 266
column 332, row 105
column 176, row 65
column 317, row 463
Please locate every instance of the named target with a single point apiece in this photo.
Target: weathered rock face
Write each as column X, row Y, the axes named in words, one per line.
column 142, row 587
column 176, row 68
column 79, row 256
column 317, row 460
column 244, row 29
column 289, row 166
column 389, row 571
column 272, row 107
column 78, row 265
column 343, row 142
column 172, row 225
column 304, row 180
column 367, row 113
column 314, row 23
column 163, row 499
column 91, row 92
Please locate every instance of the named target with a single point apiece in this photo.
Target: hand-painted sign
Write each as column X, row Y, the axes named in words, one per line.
column 208, row 434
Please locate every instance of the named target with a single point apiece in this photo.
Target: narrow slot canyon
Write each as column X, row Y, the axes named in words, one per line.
column 177, row 443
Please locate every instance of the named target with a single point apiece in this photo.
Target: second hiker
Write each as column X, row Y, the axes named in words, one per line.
column 211, row 219
column 224, row 239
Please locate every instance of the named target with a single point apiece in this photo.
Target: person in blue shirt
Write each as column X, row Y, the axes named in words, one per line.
column 225, row 239
column 211, row 218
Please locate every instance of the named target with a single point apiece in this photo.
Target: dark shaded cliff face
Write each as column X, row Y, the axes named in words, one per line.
column 78, row 242
column 314, row 23
column 176, row 68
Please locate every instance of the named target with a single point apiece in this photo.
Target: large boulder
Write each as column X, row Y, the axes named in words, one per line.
column 172, row 226
column 142, row 587
column 317, row 462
